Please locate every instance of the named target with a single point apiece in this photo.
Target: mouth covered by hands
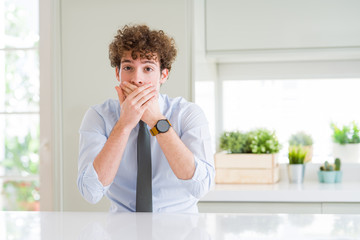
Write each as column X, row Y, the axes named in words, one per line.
column 151, row 113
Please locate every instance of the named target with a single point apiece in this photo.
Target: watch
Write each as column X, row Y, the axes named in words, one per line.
column 162, row 126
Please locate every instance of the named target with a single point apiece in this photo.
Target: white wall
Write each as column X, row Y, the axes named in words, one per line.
column 87, row 28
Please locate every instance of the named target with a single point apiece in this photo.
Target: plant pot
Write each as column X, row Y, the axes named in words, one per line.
column 330, row 176
column 338, row 177
column 296, row 173
column 348, row 153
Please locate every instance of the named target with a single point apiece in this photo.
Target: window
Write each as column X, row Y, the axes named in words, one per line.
column 19, row 105
column 292, row 105
column 285, row 97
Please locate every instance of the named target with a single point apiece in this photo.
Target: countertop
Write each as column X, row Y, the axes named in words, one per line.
column 285, row 192
column 309, row 191
column 86, row 225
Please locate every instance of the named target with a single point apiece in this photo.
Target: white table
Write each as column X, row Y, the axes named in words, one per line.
column 86, row 225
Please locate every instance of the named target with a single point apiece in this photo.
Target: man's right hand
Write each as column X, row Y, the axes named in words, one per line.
column 134, row 105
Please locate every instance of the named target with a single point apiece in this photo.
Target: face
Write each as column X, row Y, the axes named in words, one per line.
column 141, row 71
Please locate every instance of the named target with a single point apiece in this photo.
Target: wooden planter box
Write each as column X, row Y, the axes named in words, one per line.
column 246, row 168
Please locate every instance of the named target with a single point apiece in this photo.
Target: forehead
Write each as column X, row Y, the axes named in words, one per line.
column 128, row 58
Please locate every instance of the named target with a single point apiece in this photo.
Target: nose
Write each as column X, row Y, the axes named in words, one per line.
column 138, row 79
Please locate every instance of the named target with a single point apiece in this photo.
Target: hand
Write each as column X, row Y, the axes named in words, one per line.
column 134, row 105
column 152, row 114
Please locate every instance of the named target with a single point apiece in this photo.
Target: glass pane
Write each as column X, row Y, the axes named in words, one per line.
column 19, row 134
column 20, row 82
column 288, row 106
column 20, row 196
column 21, row 25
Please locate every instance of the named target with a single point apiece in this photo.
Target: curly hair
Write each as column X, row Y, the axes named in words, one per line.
column 149, row 44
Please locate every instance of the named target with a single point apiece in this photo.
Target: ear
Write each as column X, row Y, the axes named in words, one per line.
column 164, row 75
column 117, row 73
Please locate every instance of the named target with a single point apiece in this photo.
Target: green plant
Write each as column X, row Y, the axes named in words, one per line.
column 264, row 141
column 300, row 138
column 297, row 154
column 347, row 134
column 331, row 167
column 235, row 142
column 257, row 141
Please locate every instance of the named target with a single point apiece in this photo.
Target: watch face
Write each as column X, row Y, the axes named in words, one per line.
column 163, row 126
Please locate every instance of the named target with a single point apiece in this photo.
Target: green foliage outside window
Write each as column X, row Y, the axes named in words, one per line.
column 347, row 134
column 21, row 93
column 21, row 158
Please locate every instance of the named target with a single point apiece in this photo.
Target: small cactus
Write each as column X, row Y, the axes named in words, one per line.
column 331, row 167
column 326, row 165
column 337, row 164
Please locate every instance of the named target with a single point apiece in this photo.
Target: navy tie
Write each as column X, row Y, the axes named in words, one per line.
column 144, row 173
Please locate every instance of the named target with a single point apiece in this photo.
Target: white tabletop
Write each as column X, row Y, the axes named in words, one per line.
column 86, row 225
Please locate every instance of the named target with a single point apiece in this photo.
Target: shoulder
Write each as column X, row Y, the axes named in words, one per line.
column 109, row 107
column 189, row 114
column 180, row 105
column 102, row 115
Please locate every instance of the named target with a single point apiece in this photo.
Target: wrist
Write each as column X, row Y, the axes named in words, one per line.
column 121, row 129
column 155, row 120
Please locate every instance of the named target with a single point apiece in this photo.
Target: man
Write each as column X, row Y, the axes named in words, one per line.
column 114, row 160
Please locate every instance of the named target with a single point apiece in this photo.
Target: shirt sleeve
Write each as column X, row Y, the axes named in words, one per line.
column 92, row 140
column 195, row 135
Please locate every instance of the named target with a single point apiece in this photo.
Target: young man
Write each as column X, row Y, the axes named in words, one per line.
column 166, row 172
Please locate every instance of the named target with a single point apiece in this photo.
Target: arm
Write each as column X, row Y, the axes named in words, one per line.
column 133, row 106
column 190, row 157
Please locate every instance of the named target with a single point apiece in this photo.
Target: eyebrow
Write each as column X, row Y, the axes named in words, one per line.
column 145, row 61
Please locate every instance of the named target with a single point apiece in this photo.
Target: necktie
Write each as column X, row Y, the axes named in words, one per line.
column 144, row 174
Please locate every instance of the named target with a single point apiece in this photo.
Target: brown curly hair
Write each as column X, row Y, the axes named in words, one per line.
column 139, row 39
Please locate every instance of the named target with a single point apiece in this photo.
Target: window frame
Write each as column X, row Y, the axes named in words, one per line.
column 50, row 107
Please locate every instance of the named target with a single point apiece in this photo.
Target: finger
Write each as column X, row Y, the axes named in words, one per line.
column 138, row 91
column 131, row 86
column 120, row 94
column 147, row 103
column 126, row 90
column 147, row 98
column 143, row 96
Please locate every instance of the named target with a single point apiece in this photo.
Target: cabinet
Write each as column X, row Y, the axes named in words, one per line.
column 279, row 207
column 238, row 25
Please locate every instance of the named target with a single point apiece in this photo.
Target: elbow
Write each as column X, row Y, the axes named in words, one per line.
column 88, row 193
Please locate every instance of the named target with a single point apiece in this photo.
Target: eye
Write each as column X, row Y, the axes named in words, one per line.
column 126, row 68
column 148, row 69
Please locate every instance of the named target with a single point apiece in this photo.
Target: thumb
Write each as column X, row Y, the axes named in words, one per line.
column 120, row 94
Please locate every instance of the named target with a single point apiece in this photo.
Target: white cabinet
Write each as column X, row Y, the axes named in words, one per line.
column 259, row 207
column 343, row 208
column 279, row 207
column 237, row 25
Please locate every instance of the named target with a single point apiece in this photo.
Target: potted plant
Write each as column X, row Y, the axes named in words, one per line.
column 303, row 139
column 296, row 166
column 248, row 157
column 330, row 173
column 346, row 142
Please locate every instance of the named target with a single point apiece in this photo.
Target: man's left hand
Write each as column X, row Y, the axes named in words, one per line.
column 153, row 113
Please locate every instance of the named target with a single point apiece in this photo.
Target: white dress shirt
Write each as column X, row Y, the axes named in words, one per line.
column 170, row 194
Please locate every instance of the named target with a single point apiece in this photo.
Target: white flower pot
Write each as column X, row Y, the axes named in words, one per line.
column 348, row 153
column 296, row 173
